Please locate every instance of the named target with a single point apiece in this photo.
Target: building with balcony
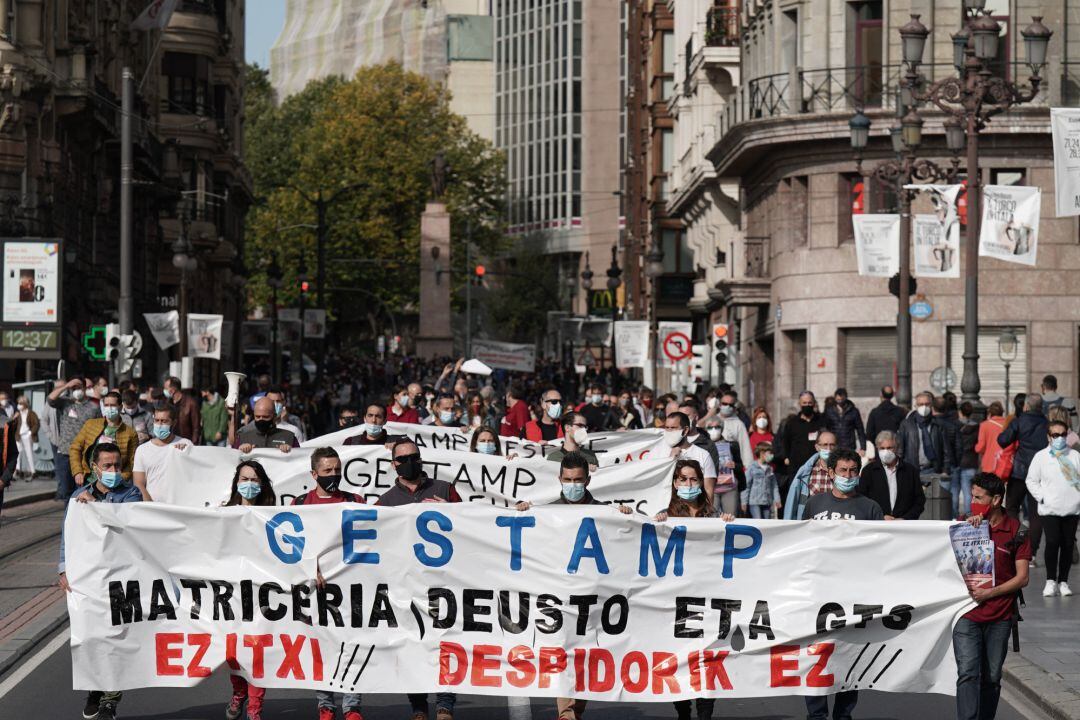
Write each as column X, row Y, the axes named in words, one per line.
column 448, row 41
column 765, row 181
column 60, row 125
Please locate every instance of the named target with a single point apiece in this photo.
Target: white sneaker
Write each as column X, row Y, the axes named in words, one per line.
column 1051, row 589
column 1064, row 590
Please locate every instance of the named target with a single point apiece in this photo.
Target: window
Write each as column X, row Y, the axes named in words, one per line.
column 797, row 369
column 851, row 201
column 991, row 366
column 189, row 83
column 868, row 46
column 677, row 256
column 869, row 360
column 667, row 150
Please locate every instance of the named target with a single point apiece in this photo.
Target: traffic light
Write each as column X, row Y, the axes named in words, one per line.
column 304, row 287
column 480, row 272
column 127, row 349
column 112, row 341
column 720, row 334
column 699, row 363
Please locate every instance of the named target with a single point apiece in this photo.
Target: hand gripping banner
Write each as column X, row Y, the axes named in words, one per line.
column 558, row 601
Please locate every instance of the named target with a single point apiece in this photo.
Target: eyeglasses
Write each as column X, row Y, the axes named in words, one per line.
column 724, row 404
column 553, row 400
column 406, row 458
column 1055, row 436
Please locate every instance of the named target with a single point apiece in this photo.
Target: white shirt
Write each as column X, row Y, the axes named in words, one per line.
column 1049, row 485
column 694, row 452
column 151, row 458
column 282, row 425
column 890, row 478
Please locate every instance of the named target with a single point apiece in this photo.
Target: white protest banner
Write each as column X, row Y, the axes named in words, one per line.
column 204, row 336
column 202, row 476
column 165, row 327
column 631, row 343
column 877, row 244
column 1010, row 223
column 508, row 356
column 936, row 237
column 1065, row 126
column 610, row 447
column 673, row 342
column 559, row 601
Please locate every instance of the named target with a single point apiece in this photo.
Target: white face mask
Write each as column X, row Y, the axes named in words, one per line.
column 762, row 423
column 673, row 437
column 887, row 456
column 581, row 435
column 923, row 410
column 716, row 434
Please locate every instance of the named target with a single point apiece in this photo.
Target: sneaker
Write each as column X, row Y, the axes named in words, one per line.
column 107, row 711
column 1051, row 589
column 444, row 714
column 1033, row 562
column 353, row 715
column 93, row 700
column 327, row 714
column 1064, row 590
column 235, row 707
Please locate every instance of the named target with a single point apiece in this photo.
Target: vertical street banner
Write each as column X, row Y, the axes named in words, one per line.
column 204, row 336
column 1010, row 223
column 936, row 237
column 1065, row 127
column 156, row 16
column 631, row 343
column 314, row 324
column 31, row 282
column 673, row 340
column 561, row 601
column 165, row 327
column 518, row 357
column 877, row 244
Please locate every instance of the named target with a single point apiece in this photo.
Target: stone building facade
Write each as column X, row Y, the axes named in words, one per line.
column 769, row 182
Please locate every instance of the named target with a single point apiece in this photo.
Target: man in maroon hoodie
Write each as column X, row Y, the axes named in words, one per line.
column 413, row 486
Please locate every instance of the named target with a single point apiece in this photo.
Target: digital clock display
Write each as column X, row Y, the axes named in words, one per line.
column 29, row 339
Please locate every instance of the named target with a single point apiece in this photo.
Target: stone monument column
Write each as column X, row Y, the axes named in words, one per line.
column 436, row 337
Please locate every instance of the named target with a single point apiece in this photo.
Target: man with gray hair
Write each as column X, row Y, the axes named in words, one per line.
column 1029, row 429
column 892, row 483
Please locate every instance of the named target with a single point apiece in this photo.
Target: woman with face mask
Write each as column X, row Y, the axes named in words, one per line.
column 26, row 428
column 486, row 442
column 760, row 428
column 1053, row 480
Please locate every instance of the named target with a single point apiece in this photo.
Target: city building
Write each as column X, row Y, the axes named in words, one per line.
column 449, row 41
column 765, row 181
column 60, row 156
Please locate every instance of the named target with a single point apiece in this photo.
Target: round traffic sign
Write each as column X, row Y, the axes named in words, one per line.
column 942, row 379
column 677, row 347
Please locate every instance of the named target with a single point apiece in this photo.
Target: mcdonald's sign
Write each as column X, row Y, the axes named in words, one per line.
column 602, row 302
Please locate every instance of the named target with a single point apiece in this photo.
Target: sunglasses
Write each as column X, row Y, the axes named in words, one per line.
column 406, row 458
column 1055, row 436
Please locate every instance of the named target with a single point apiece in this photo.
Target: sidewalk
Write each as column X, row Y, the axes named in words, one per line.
column 21, row 492
column 1047, row 670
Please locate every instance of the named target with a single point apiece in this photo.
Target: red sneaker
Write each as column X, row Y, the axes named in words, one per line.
column 327, row 714
column 353, row 715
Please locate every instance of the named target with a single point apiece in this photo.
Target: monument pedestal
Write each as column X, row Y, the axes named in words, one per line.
column 436, row 337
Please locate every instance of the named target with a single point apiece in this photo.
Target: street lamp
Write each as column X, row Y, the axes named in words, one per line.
column 273, row 279
column 654, row 268
column 1007, row 350
column 913, row 36
column 184, row 260
column 302, row 282
column 614, row 275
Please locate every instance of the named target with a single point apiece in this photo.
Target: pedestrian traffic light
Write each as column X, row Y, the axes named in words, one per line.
column 699, row 369
column 480, row 272
column 304, row 286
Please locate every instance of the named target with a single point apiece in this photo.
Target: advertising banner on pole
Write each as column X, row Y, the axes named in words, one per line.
column 936, row 237
column 877, row 244
column 1010, row 223
column 673, row 343
column 563, row 601
column 165, row 327
column 1065, row 127
column 204, row 336
column 31, row 282
column 631, row 343
column 508, row 356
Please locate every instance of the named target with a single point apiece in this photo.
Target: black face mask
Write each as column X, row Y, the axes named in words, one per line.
column 410, row 469
column 264, row 426
column 807, row 409
column 348, row 422
column 329, row 483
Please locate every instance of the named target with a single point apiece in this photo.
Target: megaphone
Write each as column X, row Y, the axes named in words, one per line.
column 234, row 379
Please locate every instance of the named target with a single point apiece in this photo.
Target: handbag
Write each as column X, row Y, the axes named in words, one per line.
column 1004, row 461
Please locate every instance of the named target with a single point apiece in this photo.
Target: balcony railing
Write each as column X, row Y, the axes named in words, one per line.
column 722, row 25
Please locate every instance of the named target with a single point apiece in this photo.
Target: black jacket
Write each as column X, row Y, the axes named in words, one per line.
column 800, row 437
column 1030, row 429
column 845, row 422
column 910, row 499
column 950, row 426
column 886, row 416
column 909, row 438
column 966, row 440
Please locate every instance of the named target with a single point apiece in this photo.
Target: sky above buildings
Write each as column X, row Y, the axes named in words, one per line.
column 264, row 20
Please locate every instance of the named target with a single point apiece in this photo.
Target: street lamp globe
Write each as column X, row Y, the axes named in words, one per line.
column 911, row 128
column 1007, row 345
column 913, row 40
column 1036, row 41
column 959, row 48
column 860, row 130
column 614, row 272
column 654, row 262
column 974, row 5
column 896, row 134
column 955, row 138
column 180, row 249
column 587, row 275
column 985, row 33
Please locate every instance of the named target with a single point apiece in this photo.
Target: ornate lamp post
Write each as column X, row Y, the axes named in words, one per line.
column 970, row 99
column 614, row 279
column 1007, row 350
column 586, row 285
column 185, row 261
column 654, row 268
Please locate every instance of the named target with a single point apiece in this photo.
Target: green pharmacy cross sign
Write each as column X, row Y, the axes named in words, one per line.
column 94, row 343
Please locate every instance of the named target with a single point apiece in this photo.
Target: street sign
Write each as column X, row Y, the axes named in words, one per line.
column 942, row 379
column 677, row 346
column 921, row 308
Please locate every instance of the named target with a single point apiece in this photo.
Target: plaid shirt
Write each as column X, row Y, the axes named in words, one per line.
column 820, row 482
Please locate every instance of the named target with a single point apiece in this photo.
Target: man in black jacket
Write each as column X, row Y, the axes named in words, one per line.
column 845, row 422
column 801, row 433
column 886, row 416
column 1030, row 428
column 892, row 483
column 921, row 442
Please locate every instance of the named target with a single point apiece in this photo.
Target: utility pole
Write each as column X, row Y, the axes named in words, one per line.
column 127, row 304
column 320, row 273
column 468, row 288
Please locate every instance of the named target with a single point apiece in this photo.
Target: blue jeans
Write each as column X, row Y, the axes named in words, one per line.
column 349, row 701
column 960, row 482
column 443, row 701
column 817, row 706
column 65, row 483
column 980, row 650
column 760, row 512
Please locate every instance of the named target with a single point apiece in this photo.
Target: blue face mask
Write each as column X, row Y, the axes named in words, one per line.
column 846, row 485
column 110, row 479
column 249, row 489
column 110, row 412
column 573, row 491
column 689, row 492
column 824, row 455
column 487, row 448
column 446, row 416
column 1058, row 444
column 373, row 429
column 554, row 410
column 278, row 407
column 162, row 432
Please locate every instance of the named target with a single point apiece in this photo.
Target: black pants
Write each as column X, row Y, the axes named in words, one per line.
column 1060, row 538
column 1015, row 495
column 704, row 708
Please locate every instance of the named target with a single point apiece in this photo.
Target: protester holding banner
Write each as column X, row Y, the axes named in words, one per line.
column 263, row 431
column 812, row 478
column 486, row 442
column 676, row 428
column 981, row 637
column 374, row 428
column 152, row 457
column 548, row 426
